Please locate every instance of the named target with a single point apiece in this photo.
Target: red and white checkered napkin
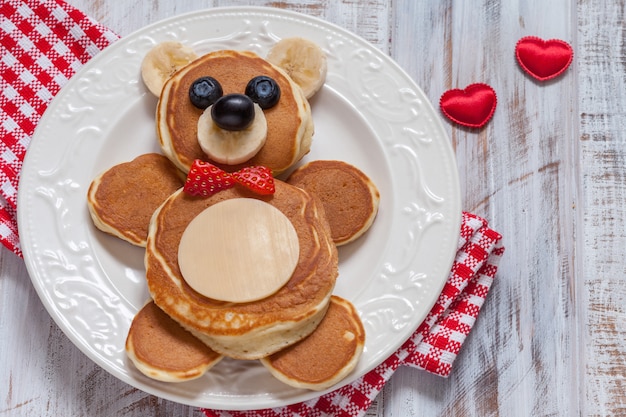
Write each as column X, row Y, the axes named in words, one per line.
column 434, row 345
column 43, row 43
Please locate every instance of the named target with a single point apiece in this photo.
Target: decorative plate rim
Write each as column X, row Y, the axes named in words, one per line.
column 410, row 134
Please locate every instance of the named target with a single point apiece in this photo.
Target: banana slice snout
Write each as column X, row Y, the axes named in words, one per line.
column 231, row 146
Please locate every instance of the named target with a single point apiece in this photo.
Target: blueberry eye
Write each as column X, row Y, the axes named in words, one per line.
column 204, row 91
column 264, row 91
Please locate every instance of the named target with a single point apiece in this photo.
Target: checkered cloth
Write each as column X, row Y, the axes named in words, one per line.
column 45, row 42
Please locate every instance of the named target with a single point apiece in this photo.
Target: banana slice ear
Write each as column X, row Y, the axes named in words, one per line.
column 163, row 60
column 303, row 60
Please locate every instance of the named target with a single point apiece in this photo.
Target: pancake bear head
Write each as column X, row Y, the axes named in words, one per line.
column 235, row 109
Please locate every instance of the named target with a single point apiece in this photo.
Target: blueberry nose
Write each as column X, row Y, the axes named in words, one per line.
column 233, row 112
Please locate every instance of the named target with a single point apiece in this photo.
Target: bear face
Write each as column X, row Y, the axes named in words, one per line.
column 289, row 122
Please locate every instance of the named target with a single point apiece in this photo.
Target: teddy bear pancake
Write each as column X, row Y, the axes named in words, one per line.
column 289, row 125
column 231, row 121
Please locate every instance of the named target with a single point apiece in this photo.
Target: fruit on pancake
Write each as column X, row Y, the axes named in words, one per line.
column 162, row 61
column 233, row 112
column 205, row 91
column 264, row 91
column 205, row 179
column 289, row 121
column 257, row 178
column 303, row 60
column 285, row 313
column 231, row 146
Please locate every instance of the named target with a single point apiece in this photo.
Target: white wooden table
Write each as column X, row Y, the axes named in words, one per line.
column 547, row 172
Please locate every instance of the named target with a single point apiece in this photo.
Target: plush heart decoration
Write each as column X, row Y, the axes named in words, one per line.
column 471, row 107
column 541, row 59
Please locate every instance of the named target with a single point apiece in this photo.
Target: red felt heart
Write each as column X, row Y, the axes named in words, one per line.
column 471, row 107
column 541, row 59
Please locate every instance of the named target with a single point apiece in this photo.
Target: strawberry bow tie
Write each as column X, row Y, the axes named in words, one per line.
column 205, row 179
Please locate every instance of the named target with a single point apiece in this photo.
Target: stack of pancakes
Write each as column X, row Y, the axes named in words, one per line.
column 289, row 123
column 254, row 329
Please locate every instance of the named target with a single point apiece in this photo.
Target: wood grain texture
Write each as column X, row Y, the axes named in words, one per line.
column 602, row 139
column 518, row 173
column 547, row 172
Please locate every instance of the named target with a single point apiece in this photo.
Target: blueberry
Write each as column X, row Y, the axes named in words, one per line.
column 264, row 91
column 204, row 91
column 233, row 112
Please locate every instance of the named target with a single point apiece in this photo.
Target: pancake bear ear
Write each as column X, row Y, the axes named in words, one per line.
column 303, row 60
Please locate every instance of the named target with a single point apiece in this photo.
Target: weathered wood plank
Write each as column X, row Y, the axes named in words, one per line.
column 602, row 292
column 517, row 172
column 547, row 172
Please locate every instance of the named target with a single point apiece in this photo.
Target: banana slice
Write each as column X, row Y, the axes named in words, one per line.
column 303, row 60
column 163, row 60
column 231, row 146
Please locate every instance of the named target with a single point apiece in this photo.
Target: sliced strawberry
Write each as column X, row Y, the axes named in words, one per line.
column 205, row 179
column 256, row 178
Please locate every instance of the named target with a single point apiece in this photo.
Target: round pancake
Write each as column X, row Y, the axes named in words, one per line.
column 349, row 197
column 325, row 357
column 258, row 328
column 289, row 123
column 161, row 349
column 122, row 199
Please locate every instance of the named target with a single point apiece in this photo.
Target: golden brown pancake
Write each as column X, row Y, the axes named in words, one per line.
column 349, row 197
column 326, row 356
column 254, row 329
column 122, row 199
column 161, row 349
column 289, row 123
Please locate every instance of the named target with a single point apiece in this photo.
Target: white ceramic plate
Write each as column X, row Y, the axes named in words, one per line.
column 369, row 113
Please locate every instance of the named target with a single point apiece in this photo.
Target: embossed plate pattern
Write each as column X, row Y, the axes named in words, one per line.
column 369, row 113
